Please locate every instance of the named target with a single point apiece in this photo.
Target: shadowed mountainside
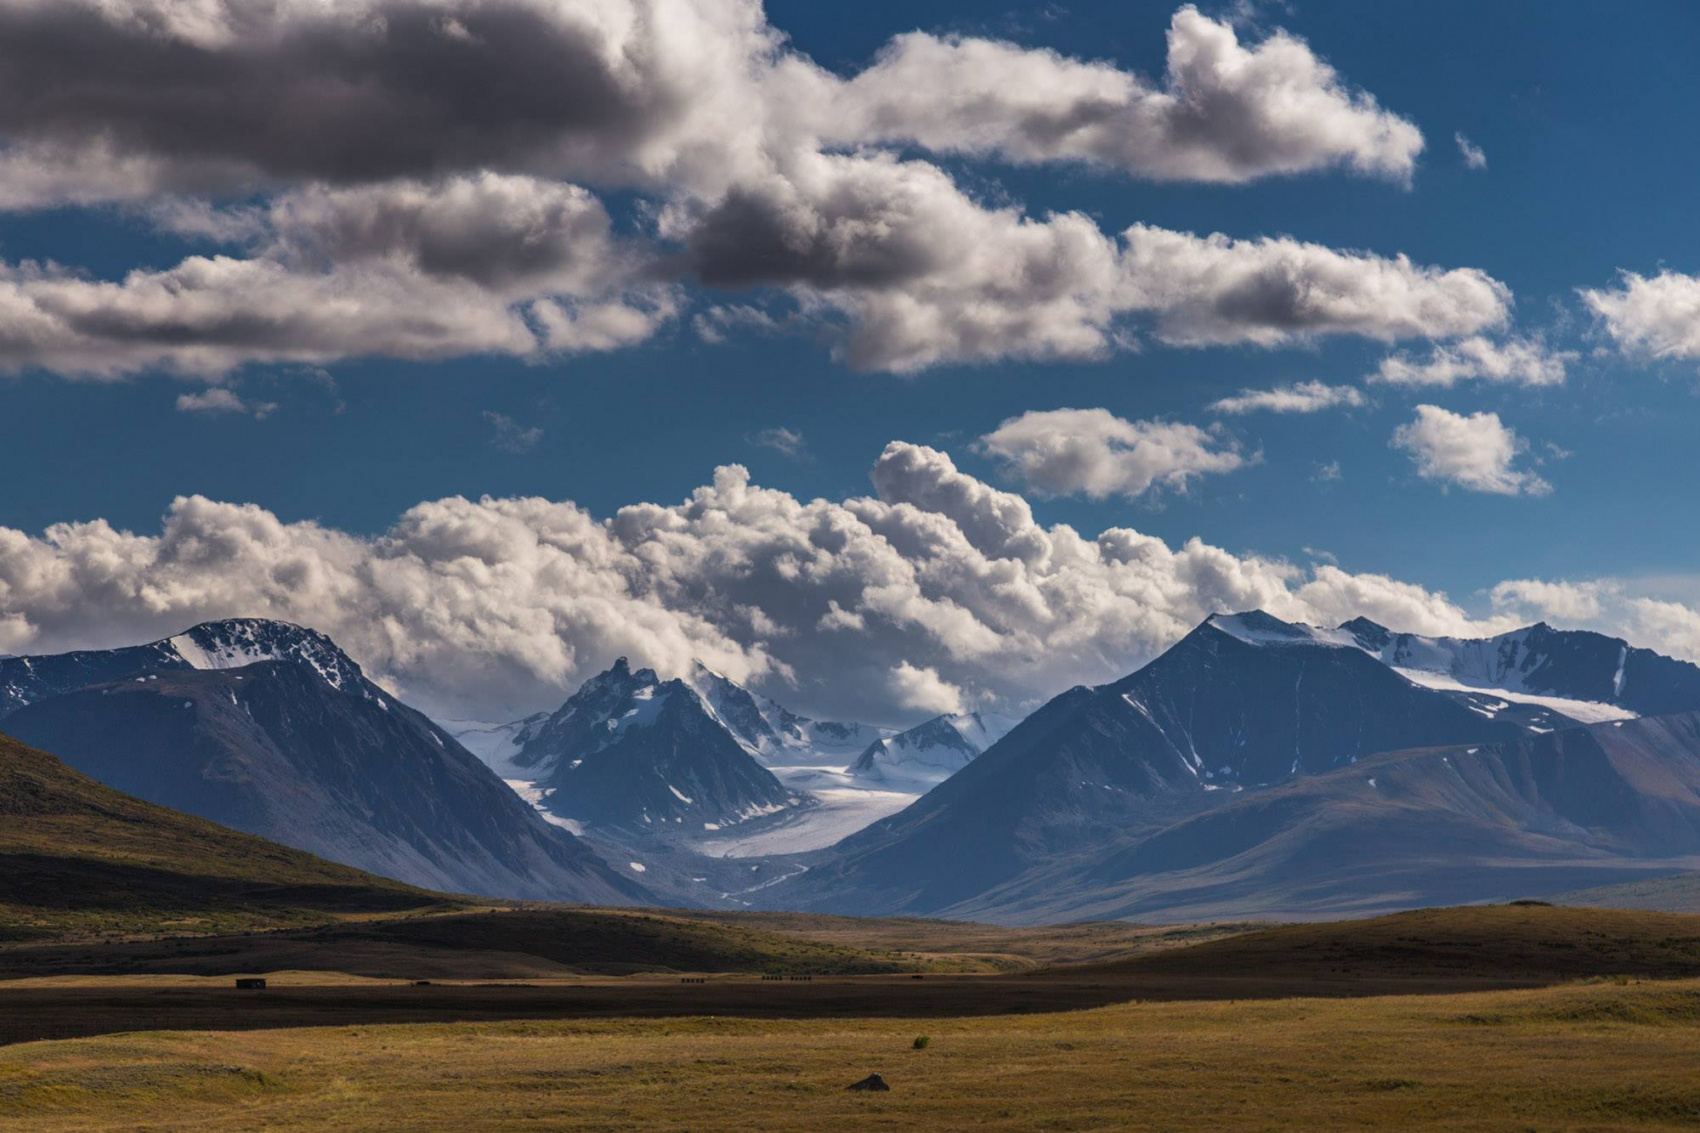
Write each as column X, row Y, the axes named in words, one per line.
column 78, row 857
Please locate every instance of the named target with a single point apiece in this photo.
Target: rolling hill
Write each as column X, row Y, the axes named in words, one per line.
column 1671, row 893
column 1515, row 943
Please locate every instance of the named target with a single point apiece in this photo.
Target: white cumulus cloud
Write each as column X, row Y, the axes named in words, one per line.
column 784, row 441
column 476, row 265
column 1216, row 290
column 1476, row 452
column 218, row 399
column 1225, row 112
column 1559, row 599
column 1658, row 316
column 1513, row 361
column 1472, row 154
column 1093, row 452
column 921, row 690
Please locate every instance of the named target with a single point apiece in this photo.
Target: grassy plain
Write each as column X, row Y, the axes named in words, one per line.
column 1597, row 1055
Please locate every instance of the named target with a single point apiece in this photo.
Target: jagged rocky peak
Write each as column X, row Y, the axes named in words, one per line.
column 647, row 755
column 235, row 643
column 610, row 704
column 604, row 694
column 1372, row 636
column 773, row 732
column 620, row 676
column 738, row 709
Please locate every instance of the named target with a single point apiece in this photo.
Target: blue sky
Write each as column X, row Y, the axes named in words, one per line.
column 1585, row 120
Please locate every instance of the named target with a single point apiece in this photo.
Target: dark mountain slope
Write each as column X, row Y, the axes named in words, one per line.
column 1540, row 815
column 79, row 857
column 1250, row 699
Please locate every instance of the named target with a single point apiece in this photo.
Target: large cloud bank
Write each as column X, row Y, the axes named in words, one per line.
column 937, row 591
column 431, row 172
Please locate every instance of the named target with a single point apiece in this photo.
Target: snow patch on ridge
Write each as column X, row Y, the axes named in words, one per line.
column 1582, row 711
column 535, row 795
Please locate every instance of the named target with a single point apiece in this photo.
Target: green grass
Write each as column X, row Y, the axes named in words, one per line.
column 78, row 859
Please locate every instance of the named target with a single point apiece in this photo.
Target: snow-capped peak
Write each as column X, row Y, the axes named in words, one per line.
column 238, row 642
column 1578, row 674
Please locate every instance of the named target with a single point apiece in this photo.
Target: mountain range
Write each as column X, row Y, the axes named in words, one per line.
column 1252, row 732
column 633, row 759
column 1256, row 768
column 1586, row 669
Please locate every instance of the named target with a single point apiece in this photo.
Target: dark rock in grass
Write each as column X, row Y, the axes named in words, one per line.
column 871, row 1082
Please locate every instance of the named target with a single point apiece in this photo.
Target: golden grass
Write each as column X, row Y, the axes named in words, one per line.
column 1599, row 1055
